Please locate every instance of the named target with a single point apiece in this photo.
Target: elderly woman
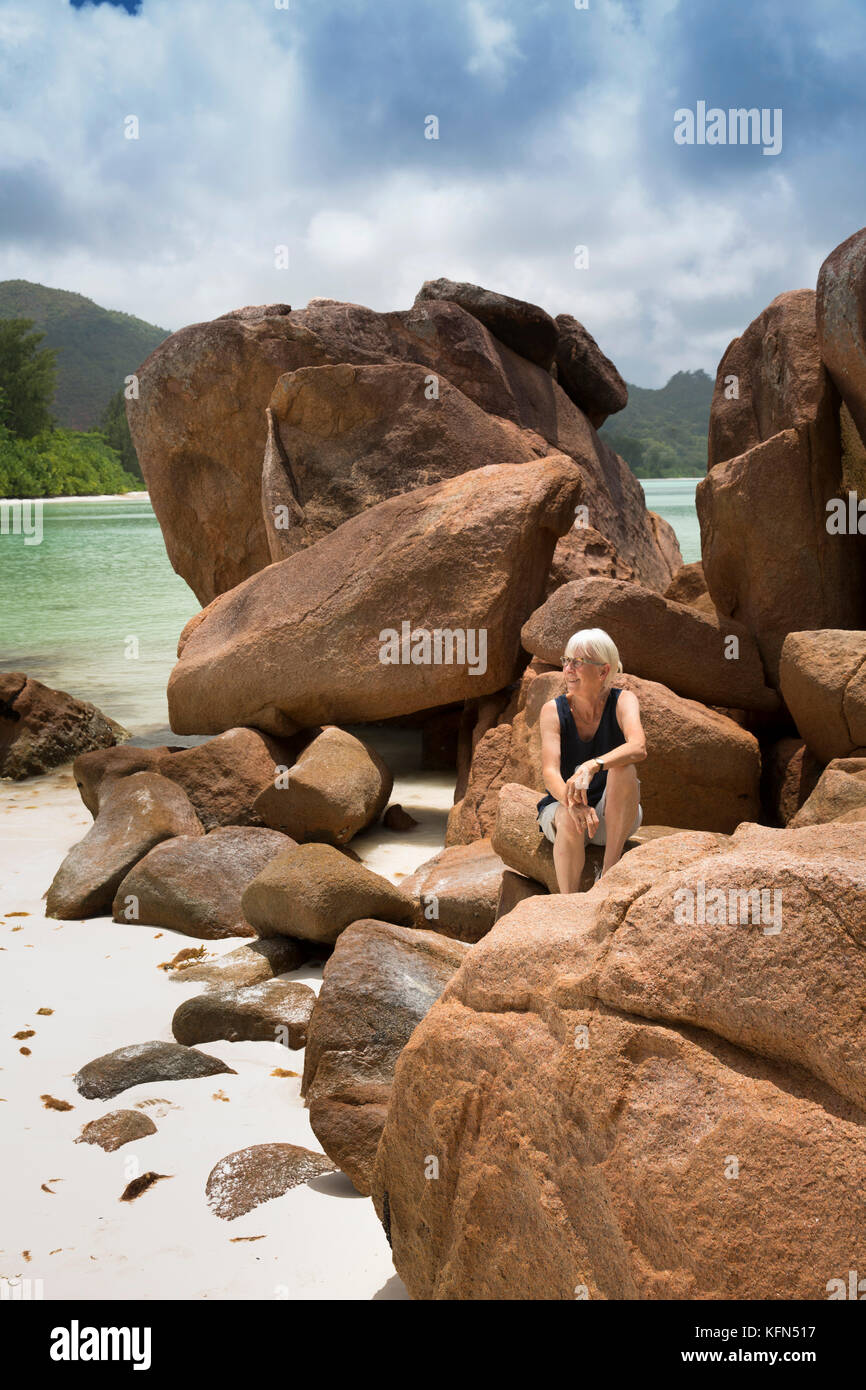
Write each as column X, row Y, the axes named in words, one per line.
column 591, row 739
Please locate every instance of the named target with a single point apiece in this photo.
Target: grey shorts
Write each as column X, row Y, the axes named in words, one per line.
column 546, row 818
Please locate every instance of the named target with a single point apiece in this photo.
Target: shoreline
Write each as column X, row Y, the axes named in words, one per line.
column 84, row 497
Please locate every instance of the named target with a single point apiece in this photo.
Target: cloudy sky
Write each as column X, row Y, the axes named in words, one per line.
column 304, row 127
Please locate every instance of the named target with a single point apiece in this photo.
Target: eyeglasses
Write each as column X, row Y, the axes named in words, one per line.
column 574, row 661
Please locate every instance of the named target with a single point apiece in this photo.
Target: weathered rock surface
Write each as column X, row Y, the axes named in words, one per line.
column 314, row 892
column 112, row 1131
column 136, row 813
column 116, row 1071
column 520, row 843
column 770, row 562
column 769, row 379
column 241, row 1181
column 98, row 769
column 667, row 544
column 222, row 777
column 839, row 794
column 809, row 1009
column 194, row 884
column 523, row 327
column 456, row 891
column 788, row 776
column 702, row 771
column 584, row 1090
column 586, row 376
column 344, row 438
column 337, row 787
column 823, row 681
column 200, row 426
column 248, row 965
column 690, row 586
column 658, row 639
column 515, row 888
column 272, row 1011
column 257, row 311
column 377, row 986
column 841, row 323
column 467, row 555
column 583, row 553
column 775, row 459
column 41, row 728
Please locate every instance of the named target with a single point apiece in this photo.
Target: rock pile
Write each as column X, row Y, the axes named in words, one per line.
column 629, row 1091
column 404, row 516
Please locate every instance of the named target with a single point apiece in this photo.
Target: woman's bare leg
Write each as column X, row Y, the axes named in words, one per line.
column 620, row 811
column 569, row 851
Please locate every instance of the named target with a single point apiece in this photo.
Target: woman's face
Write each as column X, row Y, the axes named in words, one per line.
column 584, row 677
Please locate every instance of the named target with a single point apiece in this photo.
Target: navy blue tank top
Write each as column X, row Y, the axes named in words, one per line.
column 573, row 750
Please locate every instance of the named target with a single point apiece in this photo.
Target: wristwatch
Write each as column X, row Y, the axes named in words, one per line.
column 600, row 765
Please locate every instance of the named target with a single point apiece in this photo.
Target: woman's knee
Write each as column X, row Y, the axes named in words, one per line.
column 567, row 826
column 622, row 779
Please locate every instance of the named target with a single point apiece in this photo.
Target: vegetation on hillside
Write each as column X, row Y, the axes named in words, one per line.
column 96, row 348
column 61, row 463
column 37, row 459
column 663, row 433
column 114, row 426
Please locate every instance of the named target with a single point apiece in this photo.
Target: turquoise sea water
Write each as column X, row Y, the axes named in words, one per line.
column 70, row 606
column 96, row 608
column 674, row 499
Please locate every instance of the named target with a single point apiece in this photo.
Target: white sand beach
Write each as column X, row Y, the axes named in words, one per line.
column 61, row 1218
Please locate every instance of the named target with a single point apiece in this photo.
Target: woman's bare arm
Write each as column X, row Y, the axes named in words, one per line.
column 548, row 724
column 628, row 718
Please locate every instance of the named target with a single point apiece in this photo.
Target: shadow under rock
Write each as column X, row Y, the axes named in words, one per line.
column 334, row 1185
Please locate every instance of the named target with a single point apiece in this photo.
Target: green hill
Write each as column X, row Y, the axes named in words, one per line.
column 97, row 347
column 663, row 433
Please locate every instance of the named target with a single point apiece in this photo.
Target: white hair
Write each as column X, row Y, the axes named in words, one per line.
column 596, row 645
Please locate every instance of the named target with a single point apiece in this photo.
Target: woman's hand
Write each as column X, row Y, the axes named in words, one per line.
column 585, row 818
column 575, row 787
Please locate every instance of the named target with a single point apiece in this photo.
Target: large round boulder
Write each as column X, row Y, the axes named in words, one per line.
column 773, row 557
column 455, row 563
column 625, row 1094
column 457, row 891
column 136, row 813
column 314, row 892
column 222, row 776
column 699, row 656
column 823, row 680
column 41, row 728
column 338, row 786
column 586, row 376
column 216, row 466
column 194, row 884
column 841, row 320
column 377, row 986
